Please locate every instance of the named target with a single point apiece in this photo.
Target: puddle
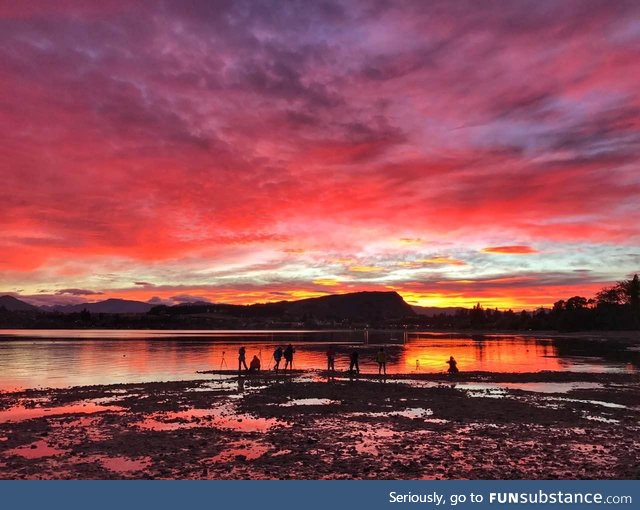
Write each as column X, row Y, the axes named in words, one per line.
column 310, row 402
column 223, row 417
column 105, row 401
column 120, row 465
column 601, row 419
column 35, row 450
column 483, row 390
column 21, row 413
column 594, row 402
column 90, row 428
column 416, row 412
column 372, row 438
column 241, row 451
column 280, row 453
column 227, row 383
column 501, row 388
column 124, row 464
column 549, row 387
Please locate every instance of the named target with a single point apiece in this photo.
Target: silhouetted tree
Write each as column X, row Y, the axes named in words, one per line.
column 85, row 315
column 610, row 296
column 631, row 290
column 477, row 316
column 576, row 303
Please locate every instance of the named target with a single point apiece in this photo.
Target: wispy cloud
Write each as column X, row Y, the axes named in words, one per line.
column 190, row 144
column 510, row 250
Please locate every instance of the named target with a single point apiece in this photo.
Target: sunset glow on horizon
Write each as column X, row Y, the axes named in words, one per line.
column 245, row 152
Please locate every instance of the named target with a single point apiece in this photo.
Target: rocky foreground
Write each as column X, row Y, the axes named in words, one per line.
column 307, row 426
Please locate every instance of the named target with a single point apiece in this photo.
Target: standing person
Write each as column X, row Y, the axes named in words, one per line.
column 453, row 365
column 353, row 363
column 242, row 353
column 277, row 356
column 381, row 358
column 331, row 359
column 288, row 357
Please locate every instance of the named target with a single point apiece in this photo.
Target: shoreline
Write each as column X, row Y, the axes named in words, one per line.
column 305, row 426
column 631, row 336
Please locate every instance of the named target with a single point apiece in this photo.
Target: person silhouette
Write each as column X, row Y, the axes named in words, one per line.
column 331, row 359
column 277, row 356
column 288, row 357
column 242, row 352
column 453, row 365
column 381, row 358
column 254, row 366
column 353, row 363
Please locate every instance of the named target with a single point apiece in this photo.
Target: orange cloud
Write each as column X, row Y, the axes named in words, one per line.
column 366, row 269
column 411, row 240
column 437, row 261
column 328, row 282
column 442, row 261
column 123, row 173
column 510, row 250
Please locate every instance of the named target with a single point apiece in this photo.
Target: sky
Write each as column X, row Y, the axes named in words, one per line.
column 249, row 151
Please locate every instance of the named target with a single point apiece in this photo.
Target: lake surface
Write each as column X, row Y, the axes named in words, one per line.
column 61, row 358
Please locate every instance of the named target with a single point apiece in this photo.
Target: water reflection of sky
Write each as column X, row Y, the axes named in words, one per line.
column 146, row 356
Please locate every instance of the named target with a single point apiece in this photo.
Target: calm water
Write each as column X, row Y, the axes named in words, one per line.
column 57, row 358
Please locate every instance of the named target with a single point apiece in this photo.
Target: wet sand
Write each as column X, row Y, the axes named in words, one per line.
column 480, row 425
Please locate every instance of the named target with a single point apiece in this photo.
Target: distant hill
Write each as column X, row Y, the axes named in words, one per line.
column 357, row 305
column 195, row 303
column 15, row 305
column 363, row 307
column 430, row 311
column 107, row 306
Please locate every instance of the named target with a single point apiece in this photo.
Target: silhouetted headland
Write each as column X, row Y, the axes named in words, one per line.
column 614, row 308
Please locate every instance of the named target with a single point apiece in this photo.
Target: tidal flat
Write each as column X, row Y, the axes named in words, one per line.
column 313, row 425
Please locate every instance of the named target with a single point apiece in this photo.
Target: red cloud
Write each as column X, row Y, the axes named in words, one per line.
column 179, row 140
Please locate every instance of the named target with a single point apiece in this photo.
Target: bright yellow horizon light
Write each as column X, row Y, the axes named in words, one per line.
column 447, row 301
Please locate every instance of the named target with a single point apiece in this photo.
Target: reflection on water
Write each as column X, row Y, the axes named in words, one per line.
column 68, row 358
column 224, row 417
column 20, row 413
column 35, row 450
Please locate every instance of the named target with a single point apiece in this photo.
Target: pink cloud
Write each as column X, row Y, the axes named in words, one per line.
column 202, row 134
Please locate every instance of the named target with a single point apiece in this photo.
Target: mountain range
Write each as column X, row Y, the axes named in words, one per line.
column 338, row 306
column 15, row 305
column 107, row 306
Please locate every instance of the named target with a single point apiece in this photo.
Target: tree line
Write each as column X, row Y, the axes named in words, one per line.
column 613, row 308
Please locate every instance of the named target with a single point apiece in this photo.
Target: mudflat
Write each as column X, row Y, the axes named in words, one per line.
column 314, row 425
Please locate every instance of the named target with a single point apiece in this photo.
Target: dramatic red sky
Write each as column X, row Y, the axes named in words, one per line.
column 243, row 151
